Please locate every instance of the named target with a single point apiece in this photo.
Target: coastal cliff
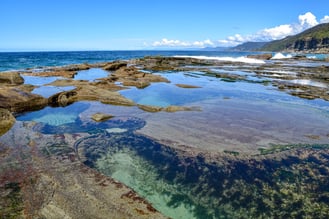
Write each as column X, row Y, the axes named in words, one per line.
column 315, row 40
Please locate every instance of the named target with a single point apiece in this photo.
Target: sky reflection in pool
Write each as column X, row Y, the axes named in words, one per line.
column 47, row 91
column 91, row 74
column 165, row 94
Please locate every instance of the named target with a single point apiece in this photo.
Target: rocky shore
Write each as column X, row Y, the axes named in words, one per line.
column 272, row 182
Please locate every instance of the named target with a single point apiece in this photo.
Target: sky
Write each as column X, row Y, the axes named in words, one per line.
column 67, row 25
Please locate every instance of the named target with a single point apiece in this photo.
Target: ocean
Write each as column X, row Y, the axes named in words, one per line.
column 22, row 60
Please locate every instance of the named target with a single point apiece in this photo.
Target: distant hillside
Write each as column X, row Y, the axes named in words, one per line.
column 248, row 46
column 315, row 39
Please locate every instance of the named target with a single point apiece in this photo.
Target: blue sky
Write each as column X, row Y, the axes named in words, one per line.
column 35, row 25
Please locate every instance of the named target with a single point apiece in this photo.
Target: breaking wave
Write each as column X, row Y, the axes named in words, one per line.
column 281, row 56
column 227, row 59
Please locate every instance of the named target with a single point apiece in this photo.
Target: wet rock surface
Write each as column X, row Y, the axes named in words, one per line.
column 41, row 176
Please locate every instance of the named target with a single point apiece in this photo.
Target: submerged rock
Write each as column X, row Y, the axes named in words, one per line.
column 99, row 117
column 7, row 120
column 187, row 86
column 172, row 109
column 169, row 109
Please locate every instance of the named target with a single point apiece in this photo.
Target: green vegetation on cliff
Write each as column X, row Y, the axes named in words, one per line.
column 313, row 39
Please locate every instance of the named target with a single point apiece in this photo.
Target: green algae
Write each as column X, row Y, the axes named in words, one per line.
column 279, row 148
column 11, row 201
column 235, row 187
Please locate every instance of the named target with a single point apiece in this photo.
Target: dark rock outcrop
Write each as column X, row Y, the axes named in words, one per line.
column 266, row 56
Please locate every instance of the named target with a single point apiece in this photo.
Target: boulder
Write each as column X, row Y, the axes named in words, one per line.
column 7, row 120
column 11, row 78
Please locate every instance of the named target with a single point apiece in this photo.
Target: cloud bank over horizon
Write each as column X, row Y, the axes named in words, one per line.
column 305, row 21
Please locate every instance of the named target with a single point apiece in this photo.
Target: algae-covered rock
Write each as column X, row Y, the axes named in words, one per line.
column 12, row 78
column 7, row 120
column 172, row 109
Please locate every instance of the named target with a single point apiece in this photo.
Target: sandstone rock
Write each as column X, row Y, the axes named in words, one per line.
column 114, row 66
column 17, row 100
column 139, row 84
column 12, row 78
column 76, row 67
column 7, row 120
column 99, row 117
column 89, row 92
column 131, row 76
column 55, row 73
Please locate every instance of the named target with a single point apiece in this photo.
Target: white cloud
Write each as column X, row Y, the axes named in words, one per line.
column 177, row 43
column 305, row 21
column 325, row 19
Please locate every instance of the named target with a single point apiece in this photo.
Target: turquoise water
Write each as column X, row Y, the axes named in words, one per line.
column 55, row 116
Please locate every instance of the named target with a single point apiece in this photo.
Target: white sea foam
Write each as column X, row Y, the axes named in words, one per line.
column 226, row 59
column 281, row 56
